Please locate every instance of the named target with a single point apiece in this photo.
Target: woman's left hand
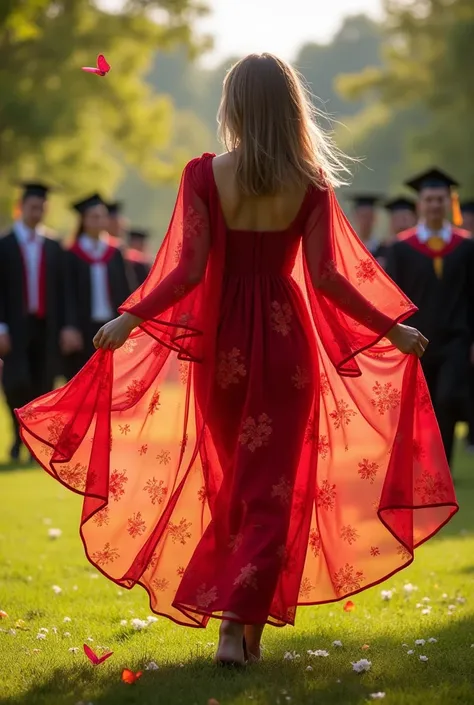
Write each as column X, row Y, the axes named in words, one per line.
column 114, row 334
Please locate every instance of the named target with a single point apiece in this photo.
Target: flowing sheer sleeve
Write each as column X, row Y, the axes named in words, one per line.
column 169, row 302
column 353, row 302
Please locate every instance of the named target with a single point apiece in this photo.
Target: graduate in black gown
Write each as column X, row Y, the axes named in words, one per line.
column 136, row 256
column 116, row 224
column 402, row 215
column 96, row 278
column 467, row 210
column 364, row 218
column 35, row 312
column 433, row 264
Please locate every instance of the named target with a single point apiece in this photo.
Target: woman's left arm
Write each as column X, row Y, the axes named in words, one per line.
column 192, row 217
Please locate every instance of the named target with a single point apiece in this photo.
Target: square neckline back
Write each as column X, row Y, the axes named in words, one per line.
column 282, row 231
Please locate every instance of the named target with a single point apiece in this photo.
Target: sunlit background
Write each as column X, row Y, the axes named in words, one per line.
column 395, row 77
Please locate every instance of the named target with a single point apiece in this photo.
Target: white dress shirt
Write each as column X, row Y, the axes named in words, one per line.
column 101, row 309
column 424, row 233
column 31, row 244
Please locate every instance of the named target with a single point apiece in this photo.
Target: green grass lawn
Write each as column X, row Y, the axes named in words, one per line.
column 90, row 609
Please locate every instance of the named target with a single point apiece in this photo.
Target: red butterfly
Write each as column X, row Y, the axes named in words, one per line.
column 102, row 66
column 130, row 677
column 93, row 658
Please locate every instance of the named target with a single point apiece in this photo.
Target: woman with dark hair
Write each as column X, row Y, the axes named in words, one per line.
column 95, row 275
column 300, row 462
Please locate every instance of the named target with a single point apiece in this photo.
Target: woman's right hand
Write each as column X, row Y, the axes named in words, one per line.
column 408, row 340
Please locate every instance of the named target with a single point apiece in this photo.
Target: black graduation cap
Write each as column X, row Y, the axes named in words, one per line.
column 35, row 189
column 432, row 178
column 365, row 199
column 400, row 203
column 89, row 202
column 115, row 208
column 467, row 206
column 139, row 234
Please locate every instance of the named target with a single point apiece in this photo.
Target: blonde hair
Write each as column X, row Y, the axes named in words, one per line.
column 267, row 116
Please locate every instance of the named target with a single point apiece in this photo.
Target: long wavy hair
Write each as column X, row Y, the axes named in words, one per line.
column 268, row 118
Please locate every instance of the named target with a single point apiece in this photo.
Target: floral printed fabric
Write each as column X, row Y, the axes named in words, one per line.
column 257, row 444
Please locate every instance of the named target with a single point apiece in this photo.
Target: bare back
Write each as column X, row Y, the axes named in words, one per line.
column 253, row 213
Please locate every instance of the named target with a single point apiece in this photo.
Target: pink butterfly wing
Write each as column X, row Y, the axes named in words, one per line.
column 102, row 64
column 93, row 658
column 90, row 69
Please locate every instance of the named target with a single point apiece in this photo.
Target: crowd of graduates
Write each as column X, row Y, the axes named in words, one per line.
column 54, row 299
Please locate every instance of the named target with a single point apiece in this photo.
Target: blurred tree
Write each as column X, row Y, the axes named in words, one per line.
column 428, row 73
column 63, row 125
column 354, row 47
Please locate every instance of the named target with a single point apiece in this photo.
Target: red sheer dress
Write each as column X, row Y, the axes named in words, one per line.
column 256, row 444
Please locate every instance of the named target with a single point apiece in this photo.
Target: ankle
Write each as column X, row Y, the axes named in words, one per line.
column 231, row 628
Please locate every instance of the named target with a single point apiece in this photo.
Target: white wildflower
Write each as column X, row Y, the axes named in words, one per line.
column 54, row 533
column 152, row 666
column 151, row 620
column 377, row 696
column 361, row 666
column 56, row 589
column 386, row 595
column 139, row 624
column 337, row 643
column 73, row 649
column 41, row 635
column 427, row 610
column 309, row 668
column 67, row 634
column 67, row 619
column 426, row 599
column 123, row 622
column 420, row 642
column 432, row 640
column 423, row 658
column 410, row 652
column 43, row 630
column 291, row 656
column 12, row 632
column 408, row 588
column 318, row 652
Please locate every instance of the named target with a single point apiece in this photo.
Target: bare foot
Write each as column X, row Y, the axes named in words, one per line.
column 231, row 644
column 253, row 637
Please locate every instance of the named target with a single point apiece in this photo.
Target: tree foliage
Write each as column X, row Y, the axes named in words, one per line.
column 57, row 122
column 429, row 54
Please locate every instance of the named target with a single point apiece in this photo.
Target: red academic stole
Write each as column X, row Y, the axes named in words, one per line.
column 436, row 251
column 105, row 259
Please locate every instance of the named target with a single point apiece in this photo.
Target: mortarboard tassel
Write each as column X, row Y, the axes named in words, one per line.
column 456, row 209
